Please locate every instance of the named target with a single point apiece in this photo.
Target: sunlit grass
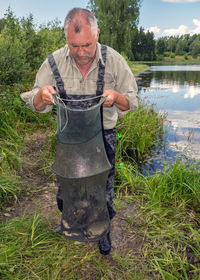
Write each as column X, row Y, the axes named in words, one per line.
column 29, row 250
column 137, row 134
column 136, row 68
column 169, row 216
column 167, row 224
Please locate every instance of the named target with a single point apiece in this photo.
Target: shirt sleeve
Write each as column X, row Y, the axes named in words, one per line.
column 44, row 77
column 126, row 85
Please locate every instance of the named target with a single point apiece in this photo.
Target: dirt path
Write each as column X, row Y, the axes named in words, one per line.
column 39, row 189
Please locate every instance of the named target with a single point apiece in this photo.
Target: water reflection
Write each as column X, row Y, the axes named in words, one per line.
column 191, row 92
column 175, row 91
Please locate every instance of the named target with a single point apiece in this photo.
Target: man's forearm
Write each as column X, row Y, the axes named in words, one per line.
column 113, row 97
column 121, row 102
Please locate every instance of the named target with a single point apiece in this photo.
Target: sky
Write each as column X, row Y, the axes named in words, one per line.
column 162, row 17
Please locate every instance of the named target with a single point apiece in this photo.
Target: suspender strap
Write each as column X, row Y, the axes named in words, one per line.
column 100, row 80
column 56, row 73
column 101, row 72
column 60, row 83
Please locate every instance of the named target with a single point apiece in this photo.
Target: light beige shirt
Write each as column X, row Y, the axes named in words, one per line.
column 118, row 76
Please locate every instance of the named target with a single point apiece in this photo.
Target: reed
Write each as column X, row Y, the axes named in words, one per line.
column 139, row 132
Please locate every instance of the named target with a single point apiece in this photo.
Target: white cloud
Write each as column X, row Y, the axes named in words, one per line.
column 191, row 92
column 180, row 30
column 154, row 29
column 181, row 1
column 197, row 29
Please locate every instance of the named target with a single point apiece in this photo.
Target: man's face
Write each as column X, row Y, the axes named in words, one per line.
column 82, row 45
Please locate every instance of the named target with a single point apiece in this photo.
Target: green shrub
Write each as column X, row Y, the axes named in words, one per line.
column 167, row 54
column 13, row 65
column 172, row 55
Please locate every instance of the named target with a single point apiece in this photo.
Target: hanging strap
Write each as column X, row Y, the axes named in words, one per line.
column 56, row 73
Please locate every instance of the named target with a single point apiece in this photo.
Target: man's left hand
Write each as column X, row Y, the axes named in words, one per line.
column 110, row 97
column 113, row 97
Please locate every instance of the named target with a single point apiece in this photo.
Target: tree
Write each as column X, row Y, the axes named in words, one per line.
column 12, row 25
column 195, row 47
column 171, row 44
column 2, row 24
column 117, row 20
column 23, row 47
column 160, row 46
column 150, row 46
column 181, row 47
column 143, row 45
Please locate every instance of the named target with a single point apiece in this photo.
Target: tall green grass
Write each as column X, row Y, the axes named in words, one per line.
column 166, row 225
column 29, row 250
column 9, row 188
column 169, row 217
column 16, row 122
column 139, row 132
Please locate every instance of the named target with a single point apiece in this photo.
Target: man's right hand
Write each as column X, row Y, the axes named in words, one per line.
column 43, row 97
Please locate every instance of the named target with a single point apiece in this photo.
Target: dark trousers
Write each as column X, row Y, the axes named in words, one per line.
column 109, row 137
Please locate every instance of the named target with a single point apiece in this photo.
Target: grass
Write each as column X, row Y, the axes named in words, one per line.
column 9, row 188
column 137, row 68
column 169, row 215
column 16, row 122
column 138, row 132
column 181, row 60
column 166, row 227
column 162, row 239
column 30, row 251
column 177, row 60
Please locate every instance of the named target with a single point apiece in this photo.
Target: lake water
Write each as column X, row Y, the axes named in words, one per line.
column 174, row 91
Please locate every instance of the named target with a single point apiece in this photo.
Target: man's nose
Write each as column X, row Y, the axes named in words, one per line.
column 80, row 51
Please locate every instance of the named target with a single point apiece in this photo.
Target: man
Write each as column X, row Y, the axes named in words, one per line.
column 84, row 67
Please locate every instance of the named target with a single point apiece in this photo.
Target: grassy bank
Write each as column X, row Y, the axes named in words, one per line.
column 161, row 241
column 156, row 229
column 137, row 68
column 173, row 60
column 181, row 60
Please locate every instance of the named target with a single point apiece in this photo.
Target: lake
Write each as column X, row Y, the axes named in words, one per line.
column 174, row 91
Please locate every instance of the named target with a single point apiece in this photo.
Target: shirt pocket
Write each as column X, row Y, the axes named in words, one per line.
column 68, row 82
column 72, row 86
column 109, row 82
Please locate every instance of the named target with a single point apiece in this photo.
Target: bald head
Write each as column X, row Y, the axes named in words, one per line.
column 77, row 17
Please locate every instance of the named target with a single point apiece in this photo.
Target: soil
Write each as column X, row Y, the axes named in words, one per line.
column 39, row 195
